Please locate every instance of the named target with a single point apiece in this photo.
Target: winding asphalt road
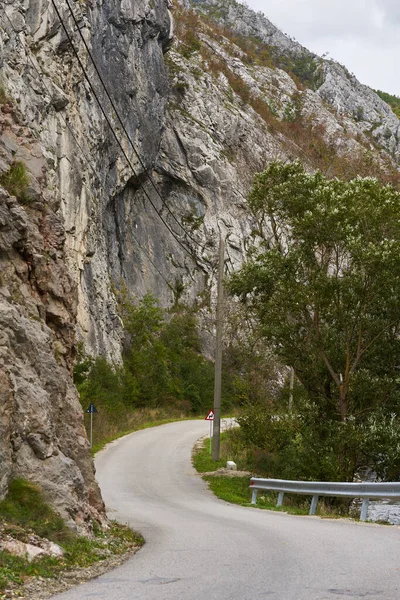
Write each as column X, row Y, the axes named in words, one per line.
column 201, row 548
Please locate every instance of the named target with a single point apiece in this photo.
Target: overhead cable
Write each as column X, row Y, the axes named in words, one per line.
column 113, row 130
column 83, row 153
column 123, row 124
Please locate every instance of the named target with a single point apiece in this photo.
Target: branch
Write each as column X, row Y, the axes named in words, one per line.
column 330, row 368
column 368, row 346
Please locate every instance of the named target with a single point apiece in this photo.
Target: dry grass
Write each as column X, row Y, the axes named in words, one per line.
column 107, row 428
column 302, row 138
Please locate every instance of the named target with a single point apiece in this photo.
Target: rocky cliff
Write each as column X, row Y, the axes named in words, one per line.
column 140, row 152
column 63, row 176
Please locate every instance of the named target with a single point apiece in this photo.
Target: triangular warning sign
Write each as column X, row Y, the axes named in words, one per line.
column 210, row 416
column 92, row 409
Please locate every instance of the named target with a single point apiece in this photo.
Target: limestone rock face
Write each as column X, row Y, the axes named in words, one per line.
column 337, row 87
column 346, row 95
column 42, row 437
column 91, row 164
column 59, row 241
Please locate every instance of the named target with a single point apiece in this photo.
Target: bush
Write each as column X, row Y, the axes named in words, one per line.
column 188, row 26
column 162, row 364
column 16, row 181
column 25, row 506
column 393, row 101
column 302, row 446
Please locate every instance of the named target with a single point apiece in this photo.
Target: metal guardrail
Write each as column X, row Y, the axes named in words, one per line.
column 366, row 491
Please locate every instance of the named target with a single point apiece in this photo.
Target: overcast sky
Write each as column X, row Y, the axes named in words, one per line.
column 364, row 35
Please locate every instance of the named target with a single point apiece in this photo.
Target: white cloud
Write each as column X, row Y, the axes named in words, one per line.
column 364, row 35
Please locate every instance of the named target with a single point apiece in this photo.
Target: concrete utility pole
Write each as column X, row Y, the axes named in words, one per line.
column 291, row 388
column 218, row 353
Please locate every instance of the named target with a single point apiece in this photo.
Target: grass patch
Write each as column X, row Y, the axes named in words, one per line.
column 25, row 506
column 24, row 512
column 16, row 181
column 237, row 489
column 4, row 98
column 15, row 570
column 202, row 459
column 136, row 427
column 230, row 489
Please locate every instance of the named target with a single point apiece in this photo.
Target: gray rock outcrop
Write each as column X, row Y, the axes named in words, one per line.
column 42, row 436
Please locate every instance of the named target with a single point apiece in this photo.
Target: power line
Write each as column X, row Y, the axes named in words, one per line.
column 121, row 122
column 125, row 130
column 113, row 131
column 123, row 125
column 60, row 114
column 40, row 75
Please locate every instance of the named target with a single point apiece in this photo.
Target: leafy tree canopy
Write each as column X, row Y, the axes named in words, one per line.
column 324, row 285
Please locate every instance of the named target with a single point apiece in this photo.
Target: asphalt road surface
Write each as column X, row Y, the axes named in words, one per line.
column 201, row 548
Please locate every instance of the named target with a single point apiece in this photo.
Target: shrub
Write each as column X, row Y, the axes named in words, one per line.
column 3, row 95
column 24, row 505
column 393, row 101
column 162, row 364
column 188, row 27
column 16, row 181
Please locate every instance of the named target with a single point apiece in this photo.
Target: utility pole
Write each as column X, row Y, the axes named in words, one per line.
column 291, row 389
column 218, row 353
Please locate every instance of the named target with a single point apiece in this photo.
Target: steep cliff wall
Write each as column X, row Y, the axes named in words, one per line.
column 42, row 437
column 57, row 236
column 338, row 88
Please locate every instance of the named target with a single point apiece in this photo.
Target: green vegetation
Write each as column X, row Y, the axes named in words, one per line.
column 16, row 182
column 231, row 489
column 163, row 365
column 24, row 511
column 164, row 375
column 24, row 505
column 202, row 460
column 323, row 288
column 393, row 101
column 236, row 489
column 4, row 98
column 189, row 39
column 303, row 69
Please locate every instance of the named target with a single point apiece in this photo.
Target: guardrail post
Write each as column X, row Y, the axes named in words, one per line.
column 280, row 499
column 313, row 506
column 364, row 509
column 254, row 496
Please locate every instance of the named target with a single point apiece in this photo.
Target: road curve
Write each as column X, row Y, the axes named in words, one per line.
column 201, row 548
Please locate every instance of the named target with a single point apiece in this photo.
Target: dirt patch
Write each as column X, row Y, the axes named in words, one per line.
column 224, row 472
column 35, row 588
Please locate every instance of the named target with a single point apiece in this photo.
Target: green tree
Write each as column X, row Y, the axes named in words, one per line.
column 163, row 361
column 147, row 365
column 323, row 283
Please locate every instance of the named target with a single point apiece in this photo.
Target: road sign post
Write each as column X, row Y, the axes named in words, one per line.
column 218, row 353
column 91, row 409
column 210, row 417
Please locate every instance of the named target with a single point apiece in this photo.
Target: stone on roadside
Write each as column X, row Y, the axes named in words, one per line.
column 30, row 551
